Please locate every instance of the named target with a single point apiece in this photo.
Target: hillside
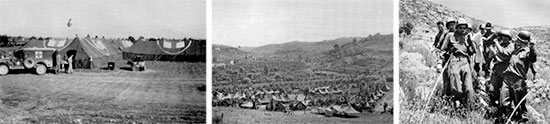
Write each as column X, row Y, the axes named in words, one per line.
column 371, row 55
column 418, row 61
column 223, row 53
column 299, row 46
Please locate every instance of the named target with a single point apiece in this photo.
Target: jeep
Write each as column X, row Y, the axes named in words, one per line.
column 38, row 59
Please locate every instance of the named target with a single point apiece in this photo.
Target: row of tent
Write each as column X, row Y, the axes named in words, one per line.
column 89, row 51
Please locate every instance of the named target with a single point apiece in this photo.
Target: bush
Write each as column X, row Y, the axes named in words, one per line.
column 407, row 28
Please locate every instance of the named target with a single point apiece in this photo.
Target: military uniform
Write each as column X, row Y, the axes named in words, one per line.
column 502, row 53
column 458, row 71
column 438, row 37
column 487, row 54
column 514, row 87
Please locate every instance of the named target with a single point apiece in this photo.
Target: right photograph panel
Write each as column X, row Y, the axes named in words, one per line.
column 473, row 61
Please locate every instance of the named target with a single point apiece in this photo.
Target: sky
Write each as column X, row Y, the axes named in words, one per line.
column 261, row 22
column 109, row 18
column 508, row 13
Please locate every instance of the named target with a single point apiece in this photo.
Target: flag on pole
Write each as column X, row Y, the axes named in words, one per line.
column 70, row 23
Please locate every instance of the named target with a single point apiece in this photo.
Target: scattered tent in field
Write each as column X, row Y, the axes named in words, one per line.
column 385, row 104
column 297, row 105
column 285, row 98
column 349, row 110
column 168, row 50
column 247, row 105
column 265, row 99
column 276, row 106
column 228, row 96
column 90, row 53
column 239, row 96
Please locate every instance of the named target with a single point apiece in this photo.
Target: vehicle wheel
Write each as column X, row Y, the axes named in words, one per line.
column 4, row 69
column 28, row 63
column 40, row 69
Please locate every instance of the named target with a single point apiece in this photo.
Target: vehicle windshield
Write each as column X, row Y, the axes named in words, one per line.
column 19, row 54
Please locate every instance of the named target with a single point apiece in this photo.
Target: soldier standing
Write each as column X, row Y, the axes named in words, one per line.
column 451, row 23
column 459, row 73
column 58, row 62
column 478, row 58
column 502, row 49
column 437, row 39
column 514, row 87
column 487, row 41
column 70, row 61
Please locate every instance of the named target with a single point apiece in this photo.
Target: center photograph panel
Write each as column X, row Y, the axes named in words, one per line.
column 308, row 61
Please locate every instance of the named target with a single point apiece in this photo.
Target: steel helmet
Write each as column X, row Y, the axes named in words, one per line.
column 524, row 36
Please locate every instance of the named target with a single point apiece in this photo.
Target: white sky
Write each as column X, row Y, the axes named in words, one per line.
column 261, row 22
column 508, row 13
column 109, row 18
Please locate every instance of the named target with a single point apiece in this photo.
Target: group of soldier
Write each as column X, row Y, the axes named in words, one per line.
column 468, row 53
column 63, row 64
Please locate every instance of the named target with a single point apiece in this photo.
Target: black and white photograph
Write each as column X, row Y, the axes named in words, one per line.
column 474, row 61
column 102, row 61
column 302, row 61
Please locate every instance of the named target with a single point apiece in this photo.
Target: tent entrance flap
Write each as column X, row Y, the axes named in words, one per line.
column 71, row 53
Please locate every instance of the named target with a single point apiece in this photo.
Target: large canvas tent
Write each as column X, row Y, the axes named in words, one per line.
column 122, row 44
column 90, row 52
column 167, row 50
column 48, row 43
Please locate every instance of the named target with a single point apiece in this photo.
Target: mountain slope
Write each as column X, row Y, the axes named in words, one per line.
column 223, row 53
column 367, row 56
column 299, row 46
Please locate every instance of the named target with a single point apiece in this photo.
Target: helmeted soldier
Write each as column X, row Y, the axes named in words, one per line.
column 532, row 57
column 514, row 87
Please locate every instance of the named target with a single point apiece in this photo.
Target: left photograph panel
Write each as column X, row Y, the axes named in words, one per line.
column 307, row 61
column 103, row 61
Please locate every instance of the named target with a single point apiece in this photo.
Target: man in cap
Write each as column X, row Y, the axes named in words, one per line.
column 514, row 87
column 458, row 45
column 450, row 24
column 502, row 49
column 441, row 28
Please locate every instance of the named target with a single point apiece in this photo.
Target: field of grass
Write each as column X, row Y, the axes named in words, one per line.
column 250, row 116
column 165, row 93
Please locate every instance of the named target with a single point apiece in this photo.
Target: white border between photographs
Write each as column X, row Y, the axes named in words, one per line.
column 208, row 61
column 396, row 91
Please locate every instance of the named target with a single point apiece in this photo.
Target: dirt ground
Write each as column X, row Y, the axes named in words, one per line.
column 165, row 93
column 250, row 116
